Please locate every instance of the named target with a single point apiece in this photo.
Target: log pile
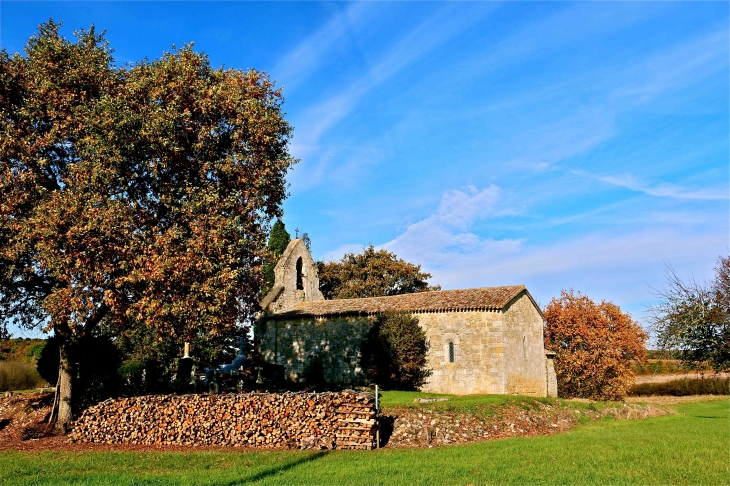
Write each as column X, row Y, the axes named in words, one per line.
column 356, row 425
column 344, row 420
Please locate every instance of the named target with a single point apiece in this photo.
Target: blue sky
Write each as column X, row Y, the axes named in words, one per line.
column 552, row 144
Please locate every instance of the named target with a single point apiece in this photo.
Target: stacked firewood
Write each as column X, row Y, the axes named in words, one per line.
column 343, row 420
column 357, row 425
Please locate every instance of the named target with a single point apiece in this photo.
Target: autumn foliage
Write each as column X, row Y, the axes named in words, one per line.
column 372, row 273
column 136, row 197
column 594, row 344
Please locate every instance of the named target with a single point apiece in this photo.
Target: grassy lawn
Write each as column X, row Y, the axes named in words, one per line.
column 692, row 447
column 474, row 403
column 392, row 399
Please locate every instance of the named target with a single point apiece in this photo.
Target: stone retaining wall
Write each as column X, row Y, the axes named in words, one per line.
column 343, row 420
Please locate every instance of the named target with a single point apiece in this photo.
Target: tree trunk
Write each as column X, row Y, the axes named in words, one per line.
column 66, row 374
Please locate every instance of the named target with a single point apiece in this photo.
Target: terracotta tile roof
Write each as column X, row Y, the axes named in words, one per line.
column 486, row 298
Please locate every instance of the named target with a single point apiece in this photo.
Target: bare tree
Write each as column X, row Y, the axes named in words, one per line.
column 693, row 318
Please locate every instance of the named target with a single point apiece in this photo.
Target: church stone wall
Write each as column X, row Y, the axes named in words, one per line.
column 336, row 340
column 525, row 362
column 551, row 378
column 478, row 352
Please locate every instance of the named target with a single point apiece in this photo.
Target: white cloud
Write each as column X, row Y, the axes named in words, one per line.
column 436, row 240
column 459, row 209
column 611, row 264
column 628, row 181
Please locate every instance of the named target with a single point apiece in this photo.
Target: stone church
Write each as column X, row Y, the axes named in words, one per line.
column 483, row 340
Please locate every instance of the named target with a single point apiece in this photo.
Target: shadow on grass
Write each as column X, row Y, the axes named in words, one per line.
column 275, row 470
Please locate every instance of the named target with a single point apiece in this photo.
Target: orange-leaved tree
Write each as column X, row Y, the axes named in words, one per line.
column 594, row 344
column 135, row 196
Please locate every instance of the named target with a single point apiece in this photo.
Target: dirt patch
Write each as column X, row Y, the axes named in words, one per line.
column 427, row 428
column 23, row 418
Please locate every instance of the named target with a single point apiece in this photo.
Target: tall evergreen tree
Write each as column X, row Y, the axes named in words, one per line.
column 279, row 239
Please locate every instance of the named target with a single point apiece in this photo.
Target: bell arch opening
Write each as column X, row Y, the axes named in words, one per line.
column 300, row 282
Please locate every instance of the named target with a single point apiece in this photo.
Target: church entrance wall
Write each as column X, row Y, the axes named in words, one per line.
column 525, row 361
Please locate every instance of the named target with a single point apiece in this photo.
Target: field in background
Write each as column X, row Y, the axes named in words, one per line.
column 658, row 367
column 18, row 357
column 24, row 350
column 688, row 448
column 19, row 376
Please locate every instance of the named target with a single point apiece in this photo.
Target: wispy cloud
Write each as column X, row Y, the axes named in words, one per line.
column 628, row 181
column 581, row 110
column 553, row 141
column 303, row 61
column 321, row 116
column 685, row 64
column 434, row 31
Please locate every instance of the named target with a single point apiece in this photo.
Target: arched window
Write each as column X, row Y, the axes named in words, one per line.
column 524, row 347
column 300, row 283
column 451, row 351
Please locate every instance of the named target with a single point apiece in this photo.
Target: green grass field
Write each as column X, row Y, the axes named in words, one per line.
column 692, row 447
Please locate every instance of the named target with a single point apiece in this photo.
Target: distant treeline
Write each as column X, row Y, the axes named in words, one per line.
column 711, row 385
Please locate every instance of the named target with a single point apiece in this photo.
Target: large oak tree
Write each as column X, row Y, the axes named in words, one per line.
column 372, row 273
column 134, row 196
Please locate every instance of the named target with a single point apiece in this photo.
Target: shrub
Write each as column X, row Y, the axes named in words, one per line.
column 314, row 372
column 594, row 346
column 683, row 387
column 34, row 352
column 393, row 353
column 18, row 376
